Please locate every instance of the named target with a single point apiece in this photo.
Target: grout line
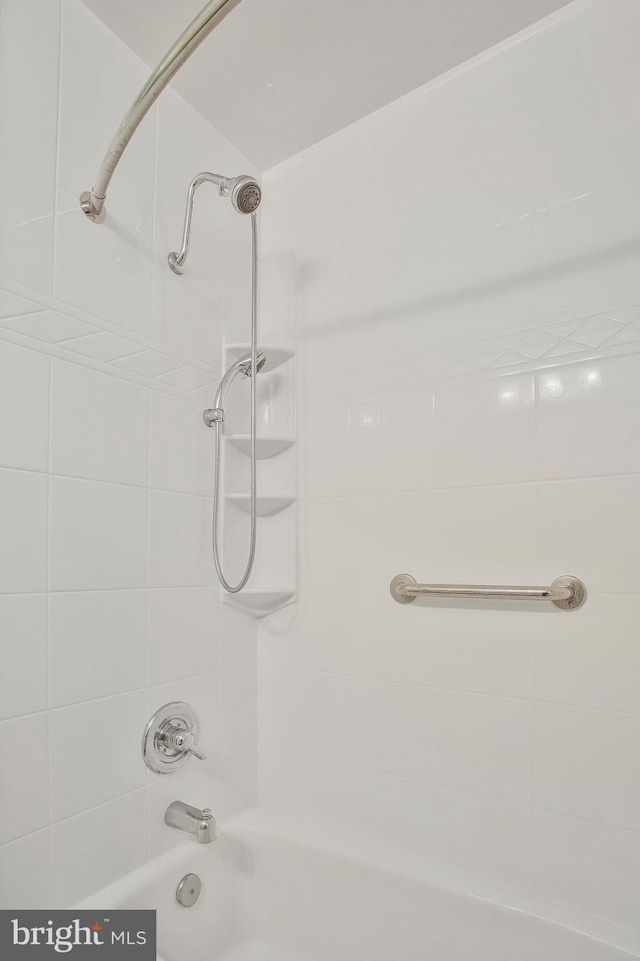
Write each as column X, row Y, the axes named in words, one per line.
column 108, row 590
column 357, row 495
column 49, row 556
column 457, row 692
column 448, row 787
column 533, row 482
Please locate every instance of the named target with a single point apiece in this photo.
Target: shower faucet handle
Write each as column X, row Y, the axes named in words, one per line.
column 171, row 738
column 178, row 739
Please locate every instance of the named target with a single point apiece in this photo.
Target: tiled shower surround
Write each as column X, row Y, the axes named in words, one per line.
column 461, row 273
column 108, row 607
column 463, row 278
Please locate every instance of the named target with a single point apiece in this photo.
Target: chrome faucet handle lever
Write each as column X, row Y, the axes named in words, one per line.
column 181, row 740
column 197, row 753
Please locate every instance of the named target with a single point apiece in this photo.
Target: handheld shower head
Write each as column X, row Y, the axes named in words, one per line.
column 241, row 366
column 245, row 194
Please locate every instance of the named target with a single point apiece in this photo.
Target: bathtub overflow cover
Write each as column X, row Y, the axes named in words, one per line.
column 188, row 891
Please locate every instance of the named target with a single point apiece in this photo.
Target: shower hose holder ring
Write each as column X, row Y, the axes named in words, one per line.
column 213, row 415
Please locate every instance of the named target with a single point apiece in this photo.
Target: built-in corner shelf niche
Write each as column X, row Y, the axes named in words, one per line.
column 272, row 585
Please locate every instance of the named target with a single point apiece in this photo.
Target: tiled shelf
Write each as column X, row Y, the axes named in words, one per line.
column 265, row 506
column 266, row 447
column 260, row 601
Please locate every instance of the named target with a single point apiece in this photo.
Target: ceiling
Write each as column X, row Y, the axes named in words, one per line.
column 275, row 76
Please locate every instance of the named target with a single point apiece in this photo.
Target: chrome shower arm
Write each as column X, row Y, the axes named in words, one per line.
column 177, row 258
column 92, row 202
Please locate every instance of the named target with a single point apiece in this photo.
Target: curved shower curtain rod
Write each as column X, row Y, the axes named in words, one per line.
column 92, row 201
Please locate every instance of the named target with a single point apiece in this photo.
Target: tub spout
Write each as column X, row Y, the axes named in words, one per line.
column 200, row 823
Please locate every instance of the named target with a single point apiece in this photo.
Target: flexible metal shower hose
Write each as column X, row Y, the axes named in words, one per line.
column 216, row 474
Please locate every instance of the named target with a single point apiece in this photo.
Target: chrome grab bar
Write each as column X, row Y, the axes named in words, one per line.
column 566, row 592
column 92, row 201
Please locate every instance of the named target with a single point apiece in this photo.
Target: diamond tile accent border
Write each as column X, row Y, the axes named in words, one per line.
column 83, row 338
column 593, row 335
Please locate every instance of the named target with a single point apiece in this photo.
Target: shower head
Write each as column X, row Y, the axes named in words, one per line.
column 242, row 366
column 245, row 194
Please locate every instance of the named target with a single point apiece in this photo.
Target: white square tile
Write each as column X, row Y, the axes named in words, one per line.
column 584, row 764
column 23, row 519
column 98, row 535
column 23, row 647
column 587, row 528
column 592, row 658
column 99, row 425
column 485, row 433
column 98, row 847
column 588, row 867
column 578, row 406
column 179, row 617
column 477, row 835
column 26, row 234
column 97, row 644
column 105, row 270
column 24, row 408
column 28, row 104
column 238, row 638
column 25, row 873
column 181, row 446
column 472, row 742
column 369, row 447
column 179, row 540
column 236, row 780
column 238, row 707
column 460, row 647
column 95, row 752
column 571, row 239
column 35, row 24
column 24, row 789
column 438, row 536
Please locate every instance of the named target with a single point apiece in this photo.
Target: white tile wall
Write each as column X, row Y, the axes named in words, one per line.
column 98, row 535
column 103, row 636
column 99, row 426
column 468, row 324
column 179, row 540
column 25, row 874
column 23, row 634
column 496, row 741
column 94, row 848
column 23, row 510
column 105, row 760
column 24, row 792
column 105, row 466
column 189, row 618
column 24, row 400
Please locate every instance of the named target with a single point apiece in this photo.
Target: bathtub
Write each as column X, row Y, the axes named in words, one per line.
column 271, row 894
